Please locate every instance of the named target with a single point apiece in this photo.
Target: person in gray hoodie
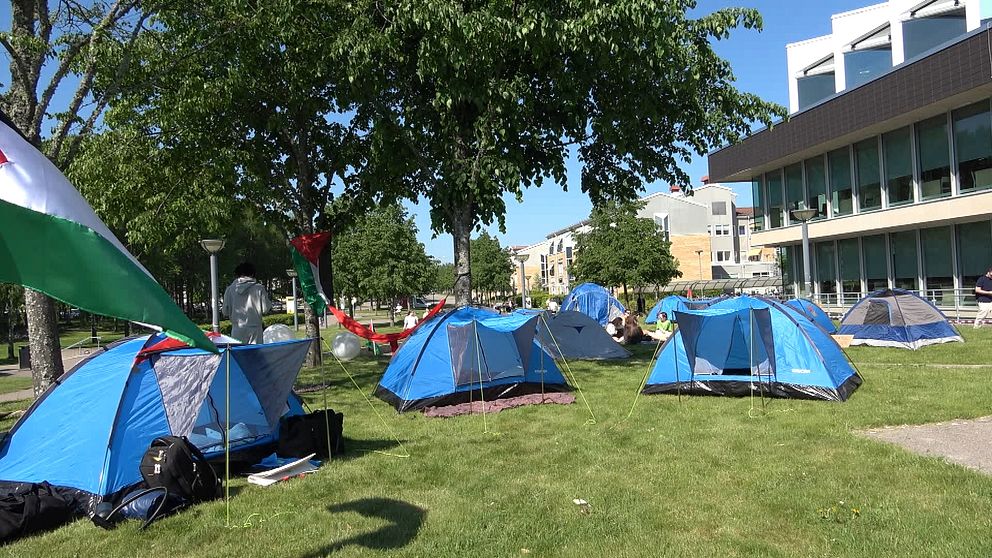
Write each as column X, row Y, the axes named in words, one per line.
column 245, row 301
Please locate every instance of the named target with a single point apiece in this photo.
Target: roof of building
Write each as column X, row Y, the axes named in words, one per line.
column 746, row 211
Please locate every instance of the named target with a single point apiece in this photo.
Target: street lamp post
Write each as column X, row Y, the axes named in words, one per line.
column 699, row 260
column 804, row 216
column 521, row 258
column 296, row 320
column 213, row 246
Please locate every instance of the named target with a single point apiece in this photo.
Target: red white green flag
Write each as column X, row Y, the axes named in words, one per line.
column 52, row 241
column 306, row 255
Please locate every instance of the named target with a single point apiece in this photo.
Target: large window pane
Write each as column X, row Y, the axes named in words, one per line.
column 813, row 89
column 826, row 270
column 794, row 198
column 876, row 270
column 816, row 186
column 861, row 66
column 974, row 253
column 904, row 268
column 938, row 269
column 868, row 173
column 840, row 181
column 849, row 259
column 775, row 205
column 934, row 158
column 898, row 166
column 973, row 144
column 922, row 34
column 758, row 198
column 786, row 261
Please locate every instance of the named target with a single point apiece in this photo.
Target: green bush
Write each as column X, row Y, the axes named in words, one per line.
column 537, row 300
column 285, row 319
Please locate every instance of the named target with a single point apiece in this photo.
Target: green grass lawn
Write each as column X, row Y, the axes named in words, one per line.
column 700, row 476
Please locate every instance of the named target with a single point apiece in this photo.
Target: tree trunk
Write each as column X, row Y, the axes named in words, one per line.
column 626, row 297
column 46, row 352
column 11, row 324
column 314, row 357
column 461, row 233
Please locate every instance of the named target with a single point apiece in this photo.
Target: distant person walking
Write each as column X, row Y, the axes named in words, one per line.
column 983, row 294
column 245, row 301
column 410, row 321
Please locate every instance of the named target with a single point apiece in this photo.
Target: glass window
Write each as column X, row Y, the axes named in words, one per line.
column 869, row 183
column 840, row 181
column 973, row 143
column 934, row 158
column 938, row 270
column 861, row 66
column 794, row 197
column 826, row 270
column 786, row 257
column 813, row 89
column 757, row 195
column 876, row 270
column 922, row 34
column 904, row 260
column 898, row 166
column 719, row 208
column 774, row 181
column 849, row 260
column 974, row 253
column 816, row 186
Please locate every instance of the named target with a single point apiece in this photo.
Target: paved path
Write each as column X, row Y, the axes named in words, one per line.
column 965, row 442
column 69, row 359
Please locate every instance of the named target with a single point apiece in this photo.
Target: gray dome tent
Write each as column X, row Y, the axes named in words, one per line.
column 574, row 335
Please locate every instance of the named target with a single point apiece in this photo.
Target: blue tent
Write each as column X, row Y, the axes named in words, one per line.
column 86, row 434
column 813, row 311
column 897, row 318
column 752, row 344
column 671, row 303
column 469, row 353
column 593, row 301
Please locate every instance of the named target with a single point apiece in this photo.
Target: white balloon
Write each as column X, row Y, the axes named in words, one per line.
column 346, row 345
column 276, row 333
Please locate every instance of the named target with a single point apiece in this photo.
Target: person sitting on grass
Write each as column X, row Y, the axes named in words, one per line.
column 664, row 329
column 632, row 332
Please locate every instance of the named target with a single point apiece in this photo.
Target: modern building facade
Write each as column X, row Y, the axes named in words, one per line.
column 897, row 162
column 704, row 229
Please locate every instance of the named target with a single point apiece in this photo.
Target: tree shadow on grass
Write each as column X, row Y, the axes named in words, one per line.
column 404, row 522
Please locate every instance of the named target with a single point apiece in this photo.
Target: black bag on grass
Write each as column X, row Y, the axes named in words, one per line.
column 176, row 464
column 301, row 435
column 32, row 508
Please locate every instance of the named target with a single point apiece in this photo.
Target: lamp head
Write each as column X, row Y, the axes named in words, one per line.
column 521, row 258
column 803, row 215
column 291, row 272
column 213, row 245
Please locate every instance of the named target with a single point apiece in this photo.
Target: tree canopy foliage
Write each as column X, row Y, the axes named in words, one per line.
column 489, row 98
column 491, row 265
column 379, row 258
column 623, row 250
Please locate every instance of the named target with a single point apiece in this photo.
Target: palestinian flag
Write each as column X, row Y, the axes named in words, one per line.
column 52, row 241
column 306, row 255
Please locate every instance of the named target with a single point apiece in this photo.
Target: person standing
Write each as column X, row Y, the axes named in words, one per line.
column 410, row 321
column 983, row 294
column 245, row 301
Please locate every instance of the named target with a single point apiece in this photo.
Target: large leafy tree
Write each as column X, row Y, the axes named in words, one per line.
column 82, row 50
column 380, row 258
column 487, row 98
column 623, row 250
column 491, row 265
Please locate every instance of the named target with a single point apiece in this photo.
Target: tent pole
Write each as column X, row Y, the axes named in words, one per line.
column 227, row 437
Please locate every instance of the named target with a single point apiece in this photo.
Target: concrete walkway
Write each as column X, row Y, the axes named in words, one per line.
column 69, row 359
column 965, row 442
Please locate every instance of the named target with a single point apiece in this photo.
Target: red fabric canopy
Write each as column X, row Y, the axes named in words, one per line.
column 392, row 338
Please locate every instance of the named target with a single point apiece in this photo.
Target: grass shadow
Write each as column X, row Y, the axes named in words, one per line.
column 403, row 523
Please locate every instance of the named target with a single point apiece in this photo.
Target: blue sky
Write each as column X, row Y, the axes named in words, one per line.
column 759, row 63
column 758, row 60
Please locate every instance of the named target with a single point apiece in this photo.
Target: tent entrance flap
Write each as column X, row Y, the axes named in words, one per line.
column 483, row 354
column 736, row 342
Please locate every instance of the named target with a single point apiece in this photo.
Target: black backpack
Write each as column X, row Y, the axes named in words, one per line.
column 177, row 465
column 301, row 435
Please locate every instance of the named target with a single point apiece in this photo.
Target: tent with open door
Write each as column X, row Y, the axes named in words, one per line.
column 469, row 354
column 897, row 318
column 593, row 301
column 86, row 434
column 814, row 313
column 671, row 303
column 574, row 336
column 746, row 345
